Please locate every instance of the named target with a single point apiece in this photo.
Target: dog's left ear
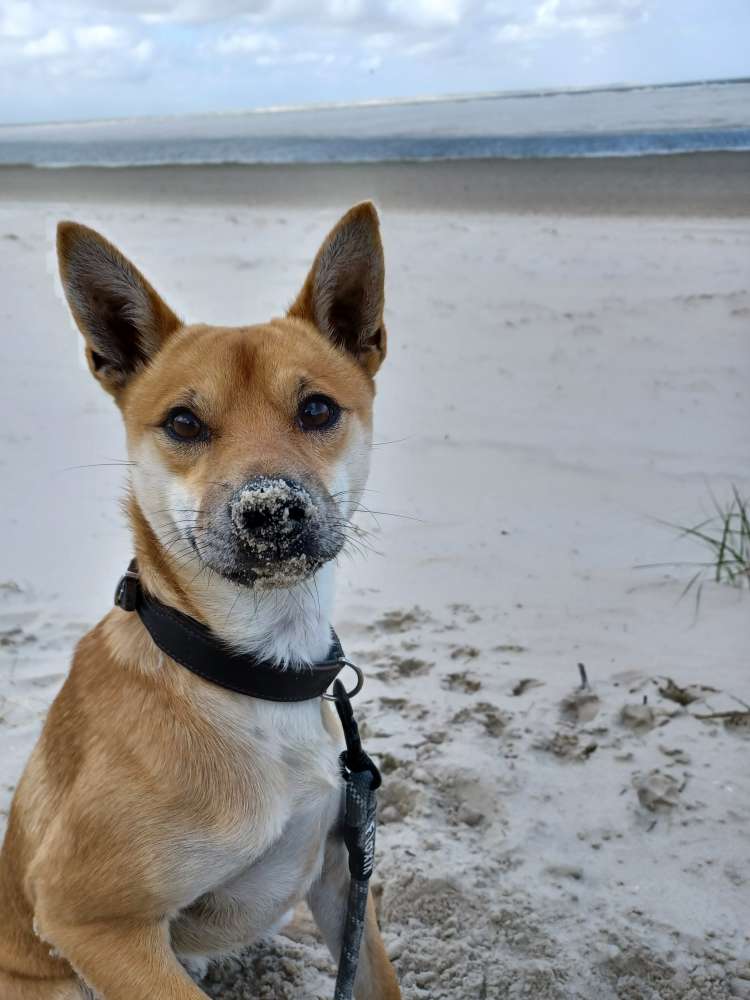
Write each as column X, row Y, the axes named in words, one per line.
column 343, row 294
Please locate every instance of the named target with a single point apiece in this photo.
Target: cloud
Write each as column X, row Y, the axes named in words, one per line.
column 41, row 43
column 348, row 32
column 53, row 43
column 194, row 11
column 323, row 13
column 118, row 39
column 246, row 43
column 219, row 54
column 411, row 21
column 588, row 18
column 426, row 13
column 269, row 50
column 99, row 36
column 16, row 20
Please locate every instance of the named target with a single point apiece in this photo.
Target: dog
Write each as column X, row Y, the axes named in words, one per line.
column 163, row 820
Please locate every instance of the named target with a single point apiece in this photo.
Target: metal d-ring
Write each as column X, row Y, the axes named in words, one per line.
column 358, row 686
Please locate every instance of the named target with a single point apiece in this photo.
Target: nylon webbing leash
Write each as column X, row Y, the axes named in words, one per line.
column 362, row 780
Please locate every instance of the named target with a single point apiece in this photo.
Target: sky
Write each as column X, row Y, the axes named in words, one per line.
column 64, row 60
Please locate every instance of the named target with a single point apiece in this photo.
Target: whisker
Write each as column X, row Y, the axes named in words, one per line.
column 234, row 605
column 99, row 465
column 409, row 437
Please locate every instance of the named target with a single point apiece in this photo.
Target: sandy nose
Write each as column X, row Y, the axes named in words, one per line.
column 270, row 514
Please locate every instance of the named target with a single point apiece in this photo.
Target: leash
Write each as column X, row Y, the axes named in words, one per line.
column 193, row 645
column 362, row 780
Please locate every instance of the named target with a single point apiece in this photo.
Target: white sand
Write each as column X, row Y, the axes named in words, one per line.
column 555, row 387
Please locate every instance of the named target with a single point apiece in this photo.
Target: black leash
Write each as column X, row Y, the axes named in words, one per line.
column 362, row 780
column 195, row 647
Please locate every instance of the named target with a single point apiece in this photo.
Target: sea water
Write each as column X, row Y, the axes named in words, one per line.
column 614, row 121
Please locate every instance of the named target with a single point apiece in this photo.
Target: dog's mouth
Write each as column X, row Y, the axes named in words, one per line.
column 271, row 533
column 275, row 575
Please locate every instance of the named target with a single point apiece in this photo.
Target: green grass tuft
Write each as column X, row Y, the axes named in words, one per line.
column 726, row 536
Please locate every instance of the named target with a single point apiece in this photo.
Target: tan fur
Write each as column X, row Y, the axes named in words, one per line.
column 154, row 801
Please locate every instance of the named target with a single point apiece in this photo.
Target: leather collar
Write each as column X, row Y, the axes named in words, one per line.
column 195, row 647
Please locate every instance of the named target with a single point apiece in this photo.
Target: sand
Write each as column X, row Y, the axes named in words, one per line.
column 694, row 184
column 559, row 385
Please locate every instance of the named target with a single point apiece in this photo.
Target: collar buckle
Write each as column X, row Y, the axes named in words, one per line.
column 128, row 586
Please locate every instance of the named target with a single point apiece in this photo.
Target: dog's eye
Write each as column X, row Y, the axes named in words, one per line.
column 183, row 425
column 317, row 413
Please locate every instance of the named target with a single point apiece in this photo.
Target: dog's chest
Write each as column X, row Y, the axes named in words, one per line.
column 292, row 800
column 285, row 764
column 256, row 899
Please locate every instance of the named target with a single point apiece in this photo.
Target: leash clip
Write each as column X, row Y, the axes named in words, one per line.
column 357, row 687
column 126, row 592
column 354, row 759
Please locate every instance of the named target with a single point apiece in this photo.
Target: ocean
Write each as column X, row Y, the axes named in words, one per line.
column 613, row 121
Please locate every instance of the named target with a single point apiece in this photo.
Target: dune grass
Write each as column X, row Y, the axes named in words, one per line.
column 726, row 535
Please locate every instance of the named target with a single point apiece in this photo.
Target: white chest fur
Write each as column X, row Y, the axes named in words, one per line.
column 272, row 858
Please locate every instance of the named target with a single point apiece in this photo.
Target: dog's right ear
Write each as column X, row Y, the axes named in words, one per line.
column 123, row 320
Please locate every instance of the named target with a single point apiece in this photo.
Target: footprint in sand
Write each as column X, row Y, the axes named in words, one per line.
column 641, row 718
column 493, row 719
column 568, row 746
column 394, row 667
column 658, row 792
column 581, row 706
column 400, row 620
column 462, row 681
column 397, row 799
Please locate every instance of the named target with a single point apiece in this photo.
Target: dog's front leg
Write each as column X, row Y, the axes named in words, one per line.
column 376, row 978
column 125, row 960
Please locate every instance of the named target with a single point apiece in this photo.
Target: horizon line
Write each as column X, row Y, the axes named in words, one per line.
column 615, row 87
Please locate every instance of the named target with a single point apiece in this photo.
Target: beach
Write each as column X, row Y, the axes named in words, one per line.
column 692, row 184
column 567, row 382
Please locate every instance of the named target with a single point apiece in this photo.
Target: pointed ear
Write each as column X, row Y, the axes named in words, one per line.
column 343, row 293
column 122, row 319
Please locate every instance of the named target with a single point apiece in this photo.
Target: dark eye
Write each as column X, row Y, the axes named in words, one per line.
column 316, row 413
column 183, row 425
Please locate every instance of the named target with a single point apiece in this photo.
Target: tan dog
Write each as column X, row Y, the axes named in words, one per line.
column 162, row 820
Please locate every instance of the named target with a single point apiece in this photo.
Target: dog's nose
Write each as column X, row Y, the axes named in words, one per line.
column 270, row 514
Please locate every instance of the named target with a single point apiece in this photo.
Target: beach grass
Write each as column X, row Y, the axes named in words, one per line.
column 726, row 536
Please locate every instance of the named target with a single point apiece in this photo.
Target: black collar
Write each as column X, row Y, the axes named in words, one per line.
column 195, row 647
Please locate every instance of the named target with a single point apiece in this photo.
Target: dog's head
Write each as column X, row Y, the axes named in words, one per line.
column 250, row 444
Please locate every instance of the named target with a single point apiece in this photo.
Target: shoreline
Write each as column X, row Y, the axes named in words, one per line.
column 690, row 184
